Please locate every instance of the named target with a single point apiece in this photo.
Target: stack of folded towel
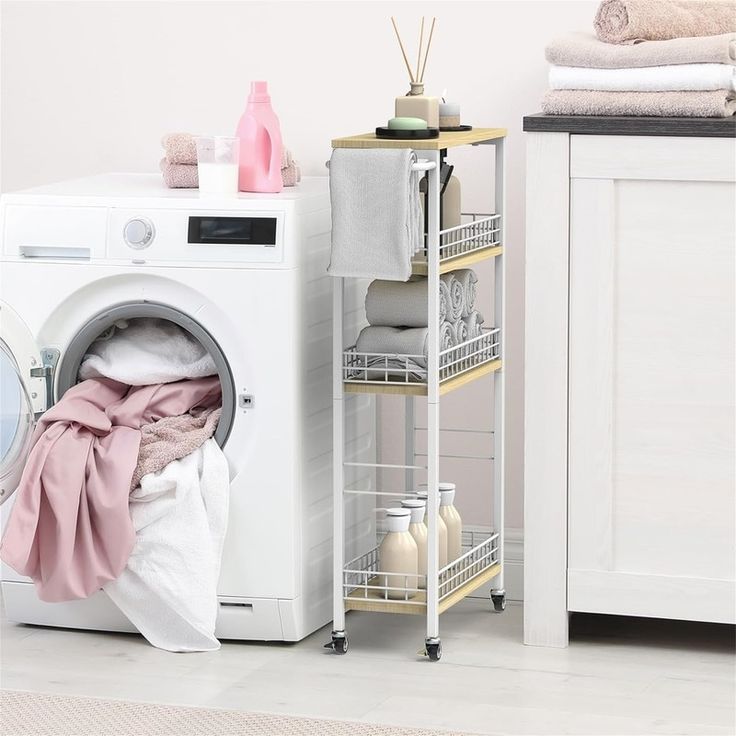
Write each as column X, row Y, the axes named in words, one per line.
column 661, row 58
column 179, row 165
column 397, row 316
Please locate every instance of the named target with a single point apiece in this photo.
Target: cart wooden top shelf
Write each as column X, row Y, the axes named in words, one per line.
column 445, row 140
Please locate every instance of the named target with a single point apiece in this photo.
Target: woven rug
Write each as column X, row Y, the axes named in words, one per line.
column 37, row 714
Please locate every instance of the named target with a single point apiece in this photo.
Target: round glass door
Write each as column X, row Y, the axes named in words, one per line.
column 16, row 423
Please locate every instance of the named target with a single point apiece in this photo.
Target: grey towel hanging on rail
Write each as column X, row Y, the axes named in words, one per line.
column 376, row 215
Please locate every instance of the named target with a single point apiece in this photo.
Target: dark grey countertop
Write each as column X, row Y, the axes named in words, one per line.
column 606, row 125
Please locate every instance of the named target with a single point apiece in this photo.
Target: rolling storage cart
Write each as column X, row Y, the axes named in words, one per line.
column 357, row 584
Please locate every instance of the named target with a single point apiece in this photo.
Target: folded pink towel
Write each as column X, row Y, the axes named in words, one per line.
column 628, row 21
column 179, row 176
column 291, row 175
column 709, row 104
column 70, row 528
column 585, row 50
column 180, row 148
column 173, row 438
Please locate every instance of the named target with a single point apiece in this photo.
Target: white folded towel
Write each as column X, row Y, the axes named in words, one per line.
column 145, row 351
column 676, row 77
column 168, row 589
column 376, row 217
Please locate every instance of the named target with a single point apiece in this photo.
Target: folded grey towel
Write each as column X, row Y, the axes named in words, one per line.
column 396, row 304
column 583, row 49
column 376, row 217
column 473, row 324
column 467, row 279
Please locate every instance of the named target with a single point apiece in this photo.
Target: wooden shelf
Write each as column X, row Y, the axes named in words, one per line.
column 445, row 140
column 465, row 260
column 420, row 389
column 358, row 601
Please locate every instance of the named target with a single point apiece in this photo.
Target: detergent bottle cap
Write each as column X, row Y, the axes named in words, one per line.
column 259, row 92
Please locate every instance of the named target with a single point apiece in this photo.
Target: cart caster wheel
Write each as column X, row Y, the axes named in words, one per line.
column 434, row 650
column 499, row 601
column 339, row 644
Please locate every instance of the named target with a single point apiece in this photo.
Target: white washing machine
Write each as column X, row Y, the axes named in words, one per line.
column 246, row 275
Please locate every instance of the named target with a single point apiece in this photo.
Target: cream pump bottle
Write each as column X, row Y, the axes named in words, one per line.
column 441, row 530
column 398, row 554
column 418, row 530
column 453, row 522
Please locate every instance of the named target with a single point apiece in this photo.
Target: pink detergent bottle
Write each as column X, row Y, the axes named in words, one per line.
column 260, row 144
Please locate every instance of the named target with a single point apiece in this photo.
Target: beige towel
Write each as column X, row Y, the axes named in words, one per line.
column 711, row 104
column 180, row 148
column 173, row 438
column 585, row 50
column 626, row 21
column 179, row 176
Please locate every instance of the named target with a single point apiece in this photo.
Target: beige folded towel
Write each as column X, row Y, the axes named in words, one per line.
column 585, row 50
column 180, row 148
column 710, row 104
column 179, row 176
column 626, row 21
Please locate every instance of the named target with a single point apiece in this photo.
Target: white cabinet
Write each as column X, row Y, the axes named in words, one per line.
column 629, row 455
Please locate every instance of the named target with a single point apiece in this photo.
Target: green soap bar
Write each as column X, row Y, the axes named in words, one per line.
column 407, row 124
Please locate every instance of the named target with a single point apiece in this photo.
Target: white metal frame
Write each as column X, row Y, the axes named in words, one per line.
column 358, row 574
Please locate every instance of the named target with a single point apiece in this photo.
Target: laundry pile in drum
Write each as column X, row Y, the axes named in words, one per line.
column 125, row 488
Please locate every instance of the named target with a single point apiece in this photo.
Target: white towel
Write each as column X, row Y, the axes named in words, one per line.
column 467, row 279
column 397, row 304
column 145, row 351
column 169, row 588
column 403, row 342
column 376, row 217
column 461, row 331
column 676, row 77
column 473, row 324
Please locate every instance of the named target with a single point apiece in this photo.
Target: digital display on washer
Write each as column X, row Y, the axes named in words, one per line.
column 233, row 230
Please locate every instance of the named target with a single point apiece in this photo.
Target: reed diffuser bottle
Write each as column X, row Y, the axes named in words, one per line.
column 415, row 104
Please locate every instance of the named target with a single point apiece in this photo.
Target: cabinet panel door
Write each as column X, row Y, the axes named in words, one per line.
column 651, row 406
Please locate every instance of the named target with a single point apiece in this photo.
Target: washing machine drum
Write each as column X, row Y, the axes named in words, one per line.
column 21, row 400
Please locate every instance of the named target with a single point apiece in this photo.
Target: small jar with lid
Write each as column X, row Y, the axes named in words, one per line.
column 418, row 530
column 441, row 528
column 398, row 555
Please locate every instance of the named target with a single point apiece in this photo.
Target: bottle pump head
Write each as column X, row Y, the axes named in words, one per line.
column 259, row 92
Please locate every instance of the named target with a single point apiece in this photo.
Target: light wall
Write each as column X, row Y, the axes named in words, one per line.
column 89, row 87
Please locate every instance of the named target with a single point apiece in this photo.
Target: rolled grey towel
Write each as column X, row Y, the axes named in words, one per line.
column 473, row 324
column 467, row 279
column 397, row 304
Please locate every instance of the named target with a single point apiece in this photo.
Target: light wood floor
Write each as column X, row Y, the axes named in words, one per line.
column 619, row 676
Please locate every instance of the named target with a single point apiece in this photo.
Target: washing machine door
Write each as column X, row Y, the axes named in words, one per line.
column 23, row 396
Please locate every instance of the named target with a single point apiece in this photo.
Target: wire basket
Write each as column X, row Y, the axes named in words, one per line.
column 382, row 368
column 363, row 579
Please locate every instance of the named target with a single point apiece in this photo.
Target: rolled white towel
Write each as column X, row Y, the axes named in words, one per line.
column 473, row 324
column 457, row 297
column 401, row 304
column 461, row 331
column 467, row 279
column 447, row 336
column 445, row 283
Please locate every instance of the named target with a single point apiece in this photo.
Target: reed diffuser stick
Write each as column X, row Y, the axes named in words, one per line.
column 421, row 41
column 426, row 53
column 403, row 53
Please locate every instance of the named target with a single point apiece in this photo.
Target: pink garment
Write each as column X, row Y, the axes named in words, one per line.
column 70, row 528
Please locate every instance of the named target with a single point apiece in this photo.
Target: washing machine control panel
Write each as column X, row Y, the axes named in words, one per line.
column 139, row 232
